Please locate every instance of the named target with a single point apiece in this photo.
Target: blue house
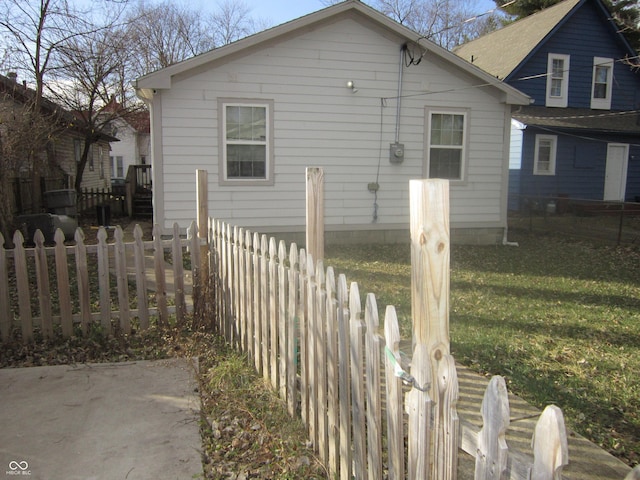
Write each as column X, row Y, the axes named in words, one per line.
column 580, row 138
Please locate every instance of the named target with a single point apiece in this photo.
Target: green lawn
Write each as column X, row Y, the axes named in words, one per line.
column 559, row 320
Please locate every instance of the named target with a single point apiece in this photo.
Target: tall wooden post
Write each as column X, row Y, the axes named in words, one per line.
column 202, row 192
column 315, row 213
column 430, row 258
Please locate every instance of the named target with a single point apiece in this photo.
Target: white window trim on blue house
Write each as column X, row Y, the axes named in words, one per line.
column 557, row 97
column 599, row 65
column 544, row 160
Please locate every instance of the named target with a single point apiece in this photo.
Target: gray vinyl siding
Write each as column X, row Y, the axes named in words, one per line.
column 319, row 122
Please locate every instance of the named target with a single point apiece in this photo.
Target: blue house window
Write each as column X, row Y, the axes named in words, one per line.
column 557, row 80
column 246, row 142
column 544, row 160
column 602, row 81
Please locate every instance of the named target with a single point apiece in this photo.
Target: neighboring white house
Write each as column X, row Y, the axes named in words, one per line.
column 336, row 89
column 134, row 147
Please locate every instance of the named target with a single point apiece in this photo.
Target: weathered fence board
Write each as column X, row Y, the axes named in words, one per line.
column 62, row 272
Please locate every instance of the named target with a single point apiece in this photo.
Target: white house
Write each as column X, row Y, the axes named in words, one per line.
column 346, row 89
column 134, row 147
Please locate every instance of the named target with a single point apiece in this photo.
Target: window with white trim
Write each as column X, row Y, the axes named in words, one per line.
column 246, row 142
column 557, row 80
column 544, row 160
column 117, row 166
column 602, row 82
column 446, row 152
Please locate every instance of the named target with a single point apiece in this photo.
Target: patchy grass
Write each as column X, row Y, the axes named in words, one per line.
column 245, row 427
column 559, row 320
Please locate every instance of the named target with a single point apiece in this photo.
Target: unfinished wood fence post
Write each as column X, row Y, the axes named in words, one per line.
column 430, row 258
column 202, row 194
column 315, row 213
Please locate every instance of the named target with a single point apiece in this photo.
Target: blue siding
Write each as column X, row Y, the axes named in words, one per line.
column 585, row 35
column 580, row 167
column 581, row 158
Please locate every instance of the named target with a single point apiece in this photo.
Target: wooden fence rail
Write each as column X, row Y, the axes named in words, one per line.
column 308, row 334
column 91, row 283
column 90, row 198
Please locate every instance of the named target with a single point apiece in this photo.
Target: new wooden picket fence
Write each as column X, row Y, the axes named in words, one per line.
column 44, row 272
column 306, row 332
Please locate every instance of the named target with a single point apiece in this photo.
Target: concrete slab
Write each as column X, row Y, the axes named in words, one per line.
column 136, row 420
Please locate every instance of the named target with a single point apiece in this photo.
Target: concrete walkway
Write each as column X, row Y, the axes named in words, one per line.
column 136, row 420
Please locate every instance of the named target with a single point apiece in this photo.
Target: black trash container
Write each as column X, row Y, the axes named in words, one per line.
column 103, row 214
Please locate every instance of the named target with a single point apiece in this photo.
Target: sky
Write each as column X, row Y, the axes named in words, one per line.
column 281, row 11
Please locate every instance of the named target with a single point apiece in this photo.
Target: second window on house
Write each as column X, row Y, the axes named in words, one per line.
column 557, row 80
column 446, row 136
column 544, row 161
column 246, row 141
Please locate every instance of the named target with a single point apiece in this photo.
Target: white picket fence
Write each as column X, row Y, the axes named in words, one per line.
column 46, row 272
column 306, row 332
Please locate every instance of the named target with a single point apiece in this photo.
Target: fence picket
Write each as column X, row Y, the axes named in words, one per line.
column 264, row 305
column 5, row 307
column 161, row 283
column 239, row 327
column 257, row 305
column 250, row 314
column 282, row 320
column 22, row 283
column 374, row 407
column 83, row 280
column 178, row 275
column 550, row 449
column 141, row 278
column 395, row 433
column 356, row 332
column 492, row 451
column 447, row 422
column 344, row 384
column 292, row 331
column 242, row 292
column 333, row 399
column 121, row 280
column 103, row 281
column 303, row 319
column 273, row 314
column 44, row 288
column 320, row 364
column 310, row 352
column 64, row 295
column 419, row 408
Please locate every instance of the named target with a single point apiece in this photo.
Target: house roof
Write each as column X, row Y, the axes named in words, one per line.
column 66, row 119
column 162, row 79
column 627, row 122
column 501, row 52
column 138, row 119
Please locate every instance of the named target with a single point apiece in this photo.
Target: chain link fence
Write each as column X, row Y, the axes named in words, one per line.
column 617, row 223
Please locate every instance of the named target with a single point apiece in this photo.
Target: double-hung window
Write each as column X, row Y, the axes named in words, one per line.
column 246, row 141
column 602, row 81
column 544, row 160
column 446, row 149
column 557, row 80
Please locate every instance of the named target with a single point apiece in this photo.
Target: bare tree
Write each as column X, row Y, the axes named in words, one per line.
column 231, row 22
column 161, row 34
column 446, row 22
column 35, row 33
column 94, row 88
